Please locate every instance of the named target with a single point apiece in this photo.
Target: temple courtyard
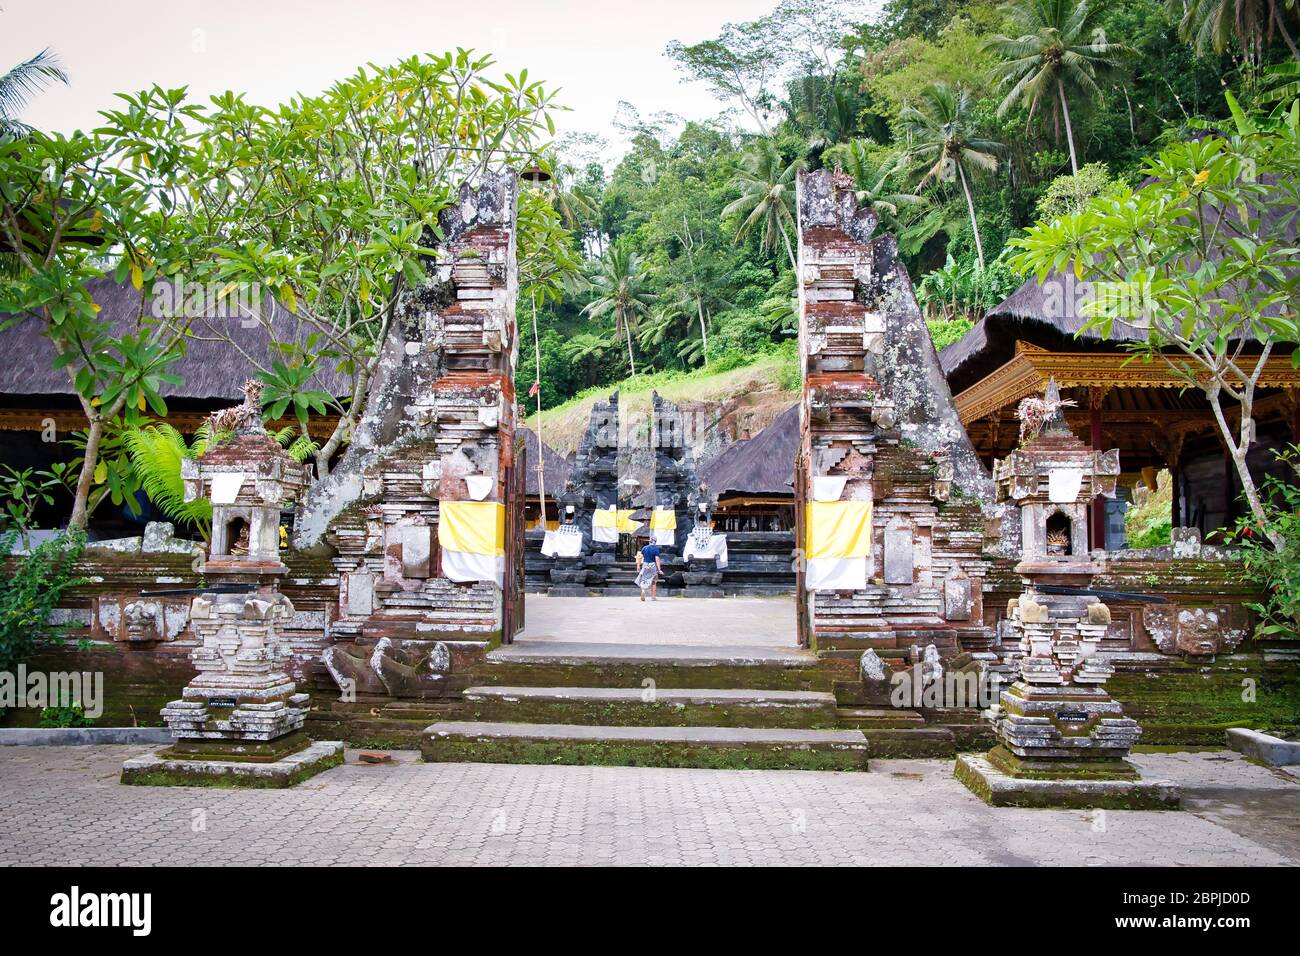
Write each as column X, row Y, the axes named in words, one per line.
column 412, row 813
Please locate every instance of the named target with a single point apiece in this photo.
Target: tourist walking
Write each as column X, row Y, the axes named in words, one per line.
column 648, row 569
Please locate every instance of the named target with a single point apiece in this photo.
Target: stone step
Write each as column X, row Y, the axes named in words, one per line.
column 733, row 748
column 879, row 718
column 912, row 742
column 629, row 706
column 591, row 664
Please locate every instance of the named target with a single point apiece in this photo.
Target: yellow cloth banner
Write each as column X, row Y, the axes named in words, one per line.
column 837, row 529
column 474, row 527
column 620, row 519
column 663, row 520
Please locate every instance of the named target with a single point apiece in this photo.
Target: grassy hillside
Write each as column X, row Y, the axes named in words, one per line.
column 736, row 401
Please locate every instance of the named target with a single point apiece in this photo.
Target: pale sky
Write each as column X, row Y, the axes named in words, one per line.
column 597, row 52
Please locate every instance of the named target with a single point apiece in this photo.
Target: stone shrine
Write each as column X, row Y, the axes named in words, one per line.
column 240, row 719
column 1062, row 737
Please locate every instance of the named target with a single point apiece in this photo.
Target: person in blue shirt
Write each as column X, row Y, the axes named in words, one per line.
column 648, row 569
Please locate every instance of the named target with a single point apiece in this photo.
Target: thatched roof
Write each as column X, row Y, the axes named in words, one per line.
column 212, row 369
column 555, row 469
column 1027, row 315
column 762, row 465
column 1047, row 315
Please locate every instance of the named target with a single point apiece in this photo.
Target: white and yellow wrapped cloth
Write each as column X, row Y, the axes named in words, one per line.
column 837, row 545
column 608, row 523
column 562, row 542
column 663, row 527
column 713, row 545
column 472, row 540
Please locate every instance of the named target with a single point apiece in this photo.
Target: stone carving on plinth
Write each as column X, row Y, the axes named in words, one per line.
column 240, row 719
column 1062, row 737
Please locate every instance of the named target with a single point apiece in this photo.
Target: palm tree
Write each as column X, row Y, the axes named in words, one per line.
column 767, row 187
column 1214, row 24
column 619, row 284
column 1060, row 51
column 575, row 206
column 942, row 144
column 586, row 349
column 872, row 184
column 22, row 83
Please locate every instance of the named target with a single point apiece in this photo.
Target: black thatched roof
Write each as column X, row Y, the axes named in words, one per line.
column 762, row 465
column 556, row 469
column 1025, row 315
column 212, row 369
column 1047, row 314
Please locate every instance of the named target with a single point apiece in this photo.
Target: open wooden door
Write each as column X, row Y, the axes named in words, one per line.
column 512, row 591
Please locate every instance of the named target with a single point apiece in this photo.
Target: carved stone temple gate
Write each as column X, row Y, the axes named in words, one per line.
column 424, row 511
column 889, row 488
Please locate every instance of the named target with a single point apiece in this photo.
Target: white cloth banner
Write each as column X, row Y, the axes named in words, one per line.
column 226, row 485
column 714, row 547
column 836, row 574
column 829, row 487
column 665, row 537
column 1063, row 485
column 463, row 566
column 604, row 535
column 563, row 542
column 480, row 486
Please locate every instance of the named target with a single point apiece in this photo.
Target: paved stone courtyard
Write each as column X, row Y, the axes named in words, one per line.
column 675, row 621
column 63, row 805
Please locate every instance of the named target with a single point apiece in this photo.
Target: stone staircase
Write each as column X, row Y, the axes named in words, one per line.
column 649, row 705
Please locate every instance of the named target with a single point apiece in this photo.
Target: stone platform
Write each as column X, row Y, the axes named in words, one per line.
column 1000, row 789
column 165, row 769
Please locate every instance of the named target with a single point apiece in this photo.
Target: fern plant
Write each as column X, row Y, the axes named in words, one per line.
column 156, row 453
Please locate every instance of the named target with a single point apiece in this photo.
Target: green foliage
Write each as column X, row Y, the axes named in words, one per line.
column 1149, row 521
column 944, row 332
column 1275, row 569
column 1202, row 260
column 1066, row 195
column 1058, row 53
column 23, row 491
column 30, row 590
column 156, row 453
column 73, row 715
column 23, row 81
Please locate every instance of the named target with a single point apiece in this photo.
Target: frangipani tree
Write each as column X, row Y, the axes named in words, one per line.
column 1203, row 261
column 331, row 204
column 74, row 209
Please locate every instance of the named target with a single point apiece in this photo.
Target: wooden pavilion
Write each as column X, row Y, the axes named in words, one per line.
column 1142, row 408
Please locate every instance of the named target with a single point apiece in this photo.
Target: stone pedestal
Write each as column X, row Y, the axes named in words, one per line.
column 702, row 579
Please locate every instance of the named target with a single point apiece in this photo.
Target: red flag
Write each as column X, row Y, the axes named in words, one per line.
column 537, row 387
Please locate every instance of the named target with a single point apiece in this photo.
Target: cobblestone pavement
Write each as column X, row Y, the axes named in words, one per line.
column 63, row 805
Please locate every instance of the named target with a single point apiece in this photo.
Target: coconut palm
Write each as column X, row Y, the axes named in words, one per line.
column 767, row 187
column 620, row 287
column 1058, row 54
column 943, row 145
column 586, row 349
column 1215, row 24
column 873, row 183
column 22, row 83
